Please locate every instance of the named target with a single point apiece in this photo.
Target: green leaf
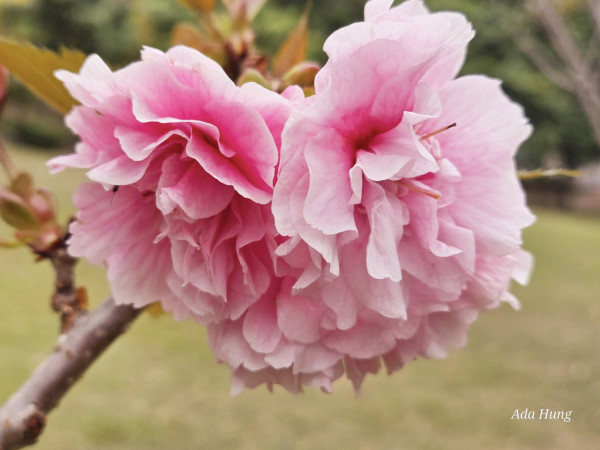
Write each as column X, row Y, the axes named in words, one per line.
column 199, row 6
column 293, row 49
column 34, row 67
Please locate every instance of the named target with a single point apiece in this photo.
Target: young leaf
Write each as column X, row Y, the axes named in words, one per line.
column 302, row 74
column 34, row 67
column 252, row 75
column 4, row 78
column 202, row 6
column 22, row 185
column 246, row 8
column 187, row 34
column 293, row 49
column 15, row 212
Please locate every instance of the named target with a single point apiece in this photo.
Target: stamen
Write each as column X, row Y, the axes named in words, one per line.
column 423, row 191
column 441, row 130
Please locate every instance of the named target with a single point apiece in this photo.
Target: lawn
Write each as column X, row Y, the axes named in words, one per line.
column 159, row 387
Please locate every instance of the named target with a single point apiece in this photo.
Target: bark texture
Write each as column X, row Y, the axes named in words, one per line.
column 23, row 416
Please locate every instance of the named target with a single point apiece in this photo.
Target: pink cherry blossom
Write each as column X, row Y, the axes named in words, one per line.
column 184, row 163
column 362, row 227
column 398, row 191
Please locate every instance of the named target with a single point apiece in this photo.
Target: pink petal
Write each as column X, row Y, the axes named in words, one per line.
column 374, row 8
column 260, row 326
column 362, row 341
column 298, row 318
column 119, row 171
column 385, row 219
column 227, row 171
column 188, row 187
column 328, row 206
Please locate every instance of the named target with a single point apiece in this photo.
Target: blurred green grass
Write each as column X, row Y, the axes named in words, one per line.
column 159, row 387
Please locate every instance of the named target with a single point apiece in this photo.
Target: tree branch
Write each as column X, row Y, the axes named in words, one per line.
column 67, row 299
column 23, row 416
column 594, row 8
column 558, row 32
column 536, row 53
column 562, row 40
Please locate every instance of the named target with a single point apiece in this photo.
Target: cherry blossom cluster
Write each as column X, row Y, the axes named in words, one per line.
column 360, row 227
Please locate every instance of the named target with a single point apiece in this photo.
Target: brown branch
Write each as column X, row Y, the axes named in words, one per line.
column 582, row 76
column 536, row 55
column 591, row 53
column 23, row 416
column 594, row 8
column 532, row 48
column 67, row 299
column 557, row 30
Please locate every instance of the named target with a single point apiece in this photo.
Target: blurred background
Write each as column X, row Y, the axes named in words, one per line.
column 159, row 387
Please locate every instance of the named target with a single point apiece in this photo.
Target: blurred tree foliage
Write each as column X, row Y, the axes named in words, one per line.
column 116, row 29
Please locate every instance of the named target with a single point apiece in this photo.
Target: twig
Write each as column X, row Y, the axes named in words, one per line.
column 539, row 173
column 67, row 299
column 594, row 8
column 23, row 416
column 566, row 47
column 536, row 52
